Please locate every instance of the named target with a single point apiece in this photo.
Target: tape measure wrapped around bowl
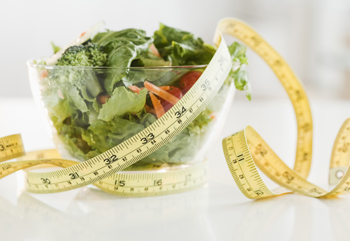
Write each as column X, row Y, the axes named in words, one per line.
column 243, row 151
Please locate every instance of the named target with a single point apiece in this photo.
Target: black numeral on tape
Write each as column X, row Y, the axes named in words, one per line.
column 180, row 113
column 110, row 160
column 148, row 138
column 73, row 175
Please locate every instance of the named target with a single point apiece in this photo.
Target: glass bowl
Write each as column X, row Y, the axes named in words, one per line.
column 92, row 109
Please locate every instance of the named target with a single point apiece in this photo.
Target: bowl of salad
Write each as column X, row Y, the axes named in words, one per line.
column 106, row 86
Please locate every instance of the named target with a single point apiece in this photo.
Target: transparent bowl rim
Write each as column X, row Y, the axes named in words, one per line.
column 30, row 63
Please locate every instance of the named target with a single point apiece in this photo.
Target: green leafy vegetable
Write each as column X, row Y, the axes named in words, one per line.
column 122, row 101
column 62, row 110
column 240, row 76
column 181, row 47
column 71, row 136
column 72, row 94
column 238, row 53
column 103, row 135
column 241, row 81
column 55, row 48
column 122, row 48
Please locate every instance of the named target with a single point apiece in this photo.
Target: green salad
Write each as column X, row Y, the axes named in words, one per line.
column 113, row 85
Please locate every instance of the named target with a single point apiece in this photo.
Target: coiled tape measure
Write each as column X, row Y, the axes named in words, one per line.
column 244, row 151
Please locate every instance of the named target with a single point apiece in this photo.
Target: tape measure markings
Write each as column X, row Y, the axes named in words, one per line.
column 277, row 170
column 289, row 81
column 11, row 147
column 170, row 182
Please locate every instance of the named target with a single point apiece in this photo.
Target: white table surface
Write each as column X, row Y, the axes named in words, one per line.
column 216, row 212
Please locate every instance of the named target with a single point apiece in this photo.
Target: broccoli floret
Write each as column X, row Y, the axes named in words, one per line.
column 79, row 84
column 90, row 54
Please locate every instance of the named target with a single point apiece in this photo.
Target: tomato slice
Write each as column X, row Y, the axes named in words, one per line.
column 188, row 80
column 175, row 92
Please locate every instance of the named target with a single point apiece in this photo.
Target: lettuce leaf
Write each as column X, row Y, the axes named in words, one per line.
column 240, row 75
column 121, row 102
column 238, row 53
column 84, row 79
column 71, row 136
column 102, row 135
column 122, row 48
column 71, row 93
column 181, row 47
column 62, row 110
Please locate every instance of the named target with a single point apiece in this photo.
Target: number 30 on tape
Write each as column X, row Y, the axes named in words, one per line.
column 244, row 151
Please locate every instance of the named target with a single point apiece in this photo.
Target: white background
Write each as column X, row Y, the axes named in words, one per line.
column 313, row 35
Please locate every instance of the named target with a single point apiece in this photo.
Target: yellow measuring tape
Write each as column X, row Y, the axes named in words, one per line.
column 243, row 151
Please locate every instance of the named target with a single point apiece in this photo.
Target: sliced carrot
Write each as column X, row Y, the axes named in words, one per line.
column 43, row 74
column 157, row 106
column 150, row 109
column 161, row 93
column 165, row 87
column 134, row 88
column 154, row 50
